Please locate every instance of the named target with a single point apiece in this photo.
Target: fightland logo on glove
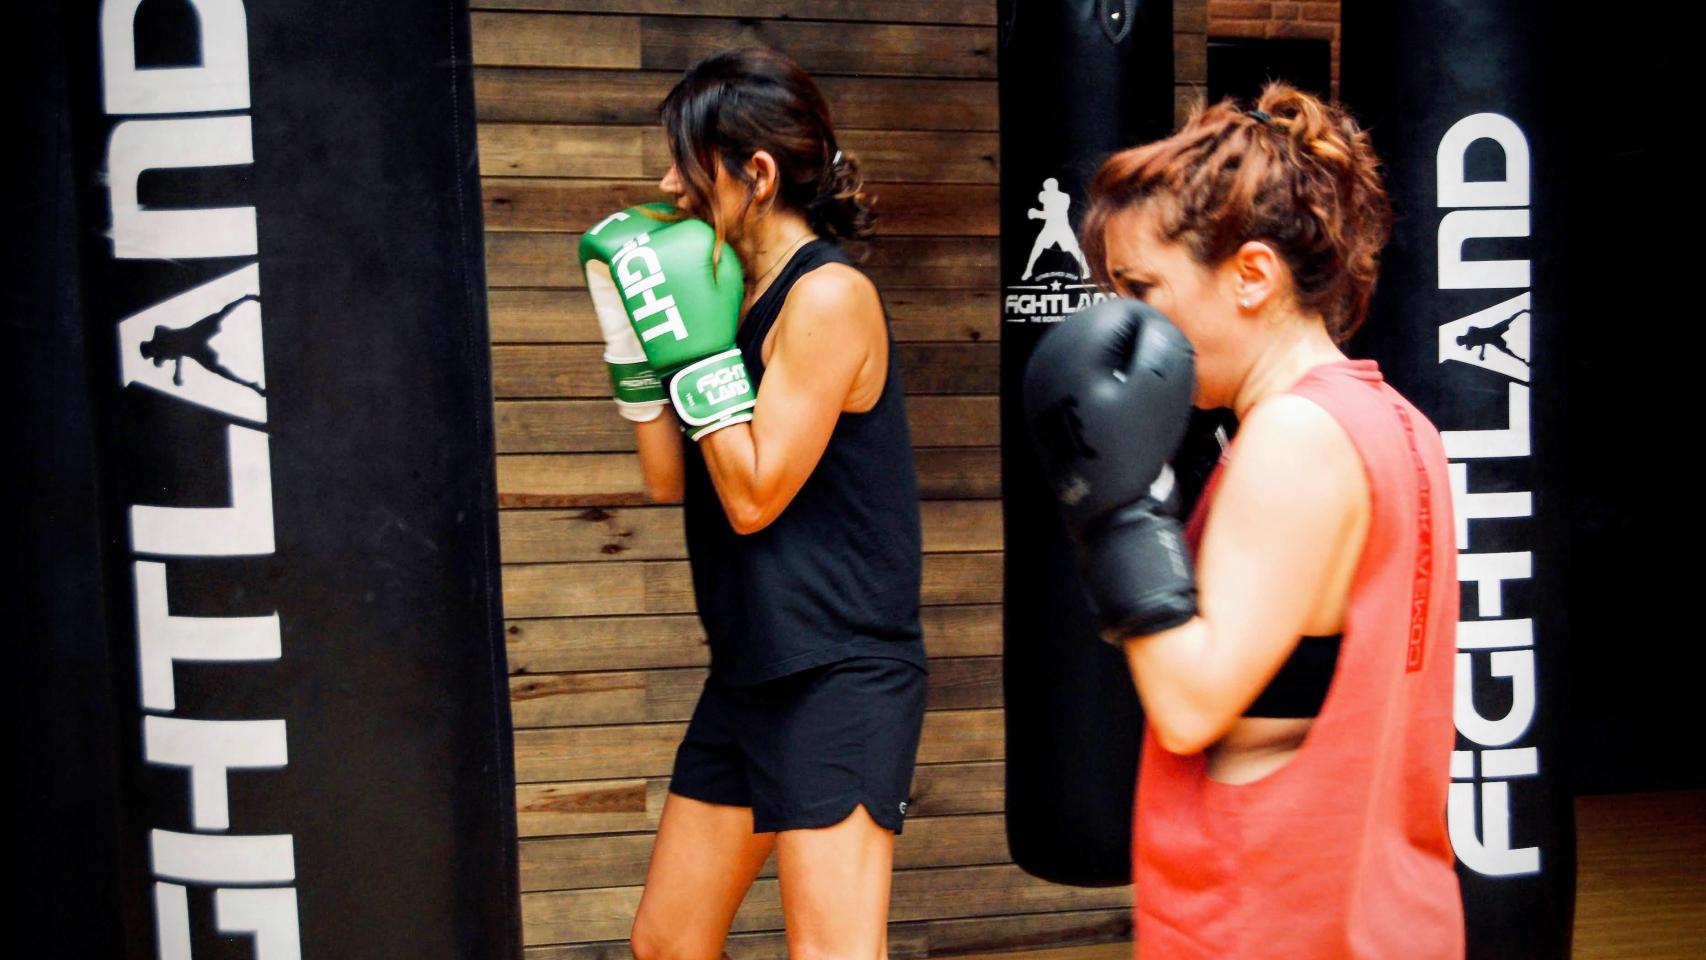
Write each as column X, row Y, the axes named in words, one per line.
column 723, row 385
column 713, row 393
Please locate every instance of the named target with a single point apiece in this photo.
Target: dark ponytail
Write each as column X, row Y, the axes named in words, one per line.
column 841, row 209
column 732, row 104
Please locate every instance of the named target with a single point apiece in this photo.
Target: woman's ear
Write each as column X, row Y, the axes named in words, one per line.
column 761, row 168
column 1257, row 275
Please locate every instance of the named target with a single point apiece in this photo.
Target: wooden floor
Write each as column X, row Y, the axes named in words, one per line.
column 1641, row 876
column 1640, row 882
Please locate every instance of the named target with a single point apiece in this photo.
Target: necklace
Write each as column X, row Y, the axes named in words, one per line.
column 780, row 260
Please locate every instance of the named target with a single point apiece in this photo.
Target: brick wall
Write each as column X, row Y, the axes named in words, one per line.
column 1259, row 18
column 1190, row 56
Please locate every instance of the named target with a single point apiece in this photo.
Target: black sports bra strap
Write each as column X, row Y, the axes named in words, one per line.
column 1300, row 686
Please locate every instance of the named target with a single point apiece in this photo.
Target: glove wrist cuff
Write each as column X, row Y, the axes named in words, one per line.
column 712, row 390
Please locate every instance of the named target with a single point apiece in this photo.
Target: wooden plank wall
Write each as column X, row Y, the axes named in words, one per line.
column 606, row 653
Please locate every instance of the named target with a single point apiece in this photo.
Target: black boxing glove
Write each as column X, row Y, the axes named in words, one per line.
column 1108, row 397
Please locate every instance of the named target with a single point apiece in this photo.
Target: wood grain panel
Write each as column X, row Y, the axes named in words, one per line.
column 566, row 644
column 648, row 750
column 613, row 479
column 966, row 12
column 539, row 701
column 578, row 370
column 642, row 152
column 555, row 40
column 579, row 863
column 655, row 533
column 916, row 316
column 594, row 426
column 909, row 50
column 630, row 97
column 665, row 586
column 520, row 204
column 953, row 892
column 921, row 278
column 554, row 808
column 1100, row 935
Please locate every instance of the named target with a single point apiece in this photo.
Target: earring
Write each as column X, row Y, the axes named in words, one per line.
column 1244, row 303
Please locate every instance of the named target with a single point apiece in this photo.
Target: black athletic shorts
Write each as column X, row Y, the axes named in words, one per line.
column 805, row 749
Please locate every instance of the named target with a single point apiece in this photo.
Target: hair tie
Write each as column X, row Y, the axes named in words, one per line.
column 835, row 161
column 1261, row 115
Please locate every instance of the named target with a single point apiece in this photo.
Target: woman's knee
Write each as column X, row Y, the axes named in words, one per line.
column 658, row 941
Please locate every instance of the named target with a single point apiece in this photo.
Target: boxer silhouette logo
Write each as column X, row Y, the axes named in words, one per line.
column 640, row 273
column 195, row 342
column 1056, row 232
column 1055, row 283
column 1480, row 338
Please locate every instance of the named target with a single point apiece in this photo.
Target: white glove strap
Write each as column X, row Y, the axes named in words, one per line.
column 619, row 337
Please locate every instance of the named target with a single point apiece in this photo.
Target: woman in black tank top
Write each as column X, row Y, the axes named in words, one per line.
column 803, row 535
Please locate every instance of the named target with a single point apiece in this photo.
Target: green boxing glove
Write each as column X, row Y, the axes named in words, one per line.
column 637, row 388
column 678, row 312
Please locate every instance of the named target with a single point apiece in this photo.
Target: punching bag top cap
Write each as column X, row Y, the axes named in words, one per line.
column 1114, row 16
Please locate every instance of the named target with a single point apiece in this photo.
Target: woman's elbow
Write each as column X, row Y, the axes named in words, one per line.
column 1182, row 741
column 1184, row 731
column 748, row 518
column 665, row 490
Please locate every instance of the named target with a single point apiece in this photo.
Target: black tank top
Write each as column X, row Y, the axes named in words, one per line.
column 837, row 574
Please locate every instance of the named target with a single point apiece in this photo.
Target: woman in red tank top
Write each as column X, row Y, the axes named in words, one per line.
column 1269, row 822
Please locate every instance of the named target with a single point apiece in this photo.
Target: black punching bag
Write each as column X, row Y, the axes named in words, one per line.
column 260, row 644
column 1079, row 80
column 1468, row 322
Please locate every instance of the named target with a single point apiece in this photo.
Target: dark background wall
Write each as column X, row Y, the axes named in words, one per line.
column 1633, row 212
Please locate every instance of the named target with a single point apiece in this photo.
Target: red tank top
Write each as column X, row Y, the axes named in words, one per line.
column 1343, row 852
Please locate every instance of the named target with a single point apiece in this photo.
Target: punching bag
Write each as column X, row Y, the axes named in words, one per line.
column 264, row 622
column 1079, row 79
column 1467, row 322
column 64, row 756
